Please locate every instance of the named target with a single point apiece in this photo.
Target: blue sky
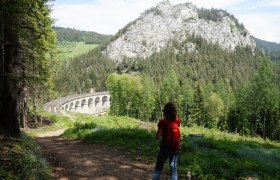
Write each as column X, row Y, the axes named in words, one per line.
column 260, row 17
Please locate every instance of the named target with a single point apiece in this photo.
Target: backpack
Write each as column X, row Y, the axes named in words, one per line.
column 172, row 138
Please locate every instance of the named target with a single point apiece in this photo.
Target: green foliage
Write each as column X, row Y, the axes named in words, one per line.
column 215, row 108
column 198, row 108
column 70, row 34
column 126, row 93
column 22, row 159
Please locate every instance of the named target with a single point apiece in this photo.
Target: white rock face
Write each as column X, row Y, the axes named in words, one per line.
column 155, row 28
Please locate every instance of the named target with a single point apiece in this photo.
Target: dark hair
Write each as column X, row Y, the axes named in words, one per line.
column 170, row 112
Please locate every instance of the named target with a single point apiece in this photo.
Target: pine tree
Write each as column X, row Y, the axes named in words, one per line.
column 198, row 109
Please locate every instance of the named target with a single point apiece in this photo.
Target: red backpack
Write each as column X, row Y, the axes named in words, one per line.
column 172, row 138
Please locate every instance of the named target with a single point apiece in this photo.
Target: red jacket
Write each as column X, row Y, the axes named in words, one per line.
column 163, row 124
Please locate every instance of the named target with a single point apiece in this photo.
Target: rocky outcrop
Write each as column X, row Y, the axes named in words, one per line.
column 157, row 26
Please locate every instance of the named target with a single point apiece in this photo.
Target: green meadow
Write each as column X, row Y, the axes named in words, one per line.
column 71, row 49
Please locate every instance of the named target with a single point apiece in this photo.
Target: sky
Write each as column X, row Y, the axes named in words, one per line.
column 260, row 17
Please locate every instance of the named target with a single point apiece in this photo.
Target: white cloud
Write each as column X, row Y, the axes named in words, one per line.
column 263, row 26
column 269, row 3
column 210, row 3
column 108, row 16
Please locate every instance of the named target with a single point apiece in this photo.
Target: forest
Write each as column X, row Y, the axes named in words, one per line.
column 70, row 34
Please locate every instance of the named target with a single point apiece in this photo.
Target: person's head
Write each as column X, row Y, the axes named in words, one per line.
column 170, row 112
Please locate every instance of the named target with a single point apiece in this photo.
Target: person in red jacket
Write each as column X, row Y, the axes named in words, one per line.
column 170, row 144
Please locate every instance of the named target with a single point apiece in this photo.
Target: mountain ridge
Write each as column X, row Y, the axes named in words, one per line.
column 157, row 26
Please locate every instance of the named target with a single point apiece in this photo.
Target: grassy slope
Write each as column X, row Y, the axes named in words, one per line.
column 22, row 159
column 69, row 49
column 216, row 155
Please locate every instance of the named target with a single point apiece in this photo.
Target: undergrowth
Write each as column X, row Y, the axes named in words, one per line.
column 22, row 159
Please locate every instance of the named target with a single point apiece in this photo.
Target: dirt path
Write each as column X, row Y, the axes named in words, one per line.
column 78, row 160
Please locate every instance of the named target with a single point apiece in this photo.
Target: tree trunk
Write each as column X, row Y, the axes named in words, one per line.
column 24, row 109
column 264, row 124
column 35, row 108
column 10, row 91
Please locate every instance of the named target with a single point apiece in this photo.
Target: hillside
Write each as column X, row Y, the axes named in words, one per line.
column 72, row 43
column 71, row 49
column 157, row 26
column 89, row 37
column 272, row 49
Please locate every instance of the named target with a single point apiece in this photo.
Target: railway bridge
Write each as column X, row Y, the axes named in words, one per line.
column 89, row 103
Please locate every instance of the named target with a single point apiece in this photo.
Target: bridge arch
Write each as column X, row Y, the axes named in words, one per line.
column 72, row 108
column 90, row 105
column 98, row 104
column 66, row 107
column 84, row 107
column 77, row 106
column 105, row 102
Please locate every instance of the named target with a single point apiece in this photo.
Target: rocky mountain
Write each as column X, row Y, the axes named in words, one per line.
column 156, row 27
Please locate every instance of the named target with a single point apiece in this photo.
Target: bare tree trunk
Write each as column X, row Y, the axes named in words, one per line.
column 25, row 110
column 41, row 118
column 35, row 107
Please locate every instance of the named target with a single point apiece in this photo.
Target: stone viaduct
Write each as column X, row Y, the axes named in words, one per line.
column 90, row 103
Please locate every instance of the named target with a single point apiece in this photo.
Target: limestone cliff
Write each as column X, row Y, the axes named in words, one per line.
column 157, row 26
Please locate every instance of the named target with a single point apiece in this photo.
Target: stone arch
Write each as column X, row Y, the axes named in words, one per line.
column 105, row 101
column 77, row 106
column 98, row 104
column 90, row 105
column 90, row 102
column 66, row 107
column 84, row 106
column 97, row 101
column 72, row 108
column 62, row 108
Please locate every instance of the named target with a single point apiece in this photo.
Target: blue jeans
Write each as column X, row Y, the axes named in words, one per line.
column 162, row 157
